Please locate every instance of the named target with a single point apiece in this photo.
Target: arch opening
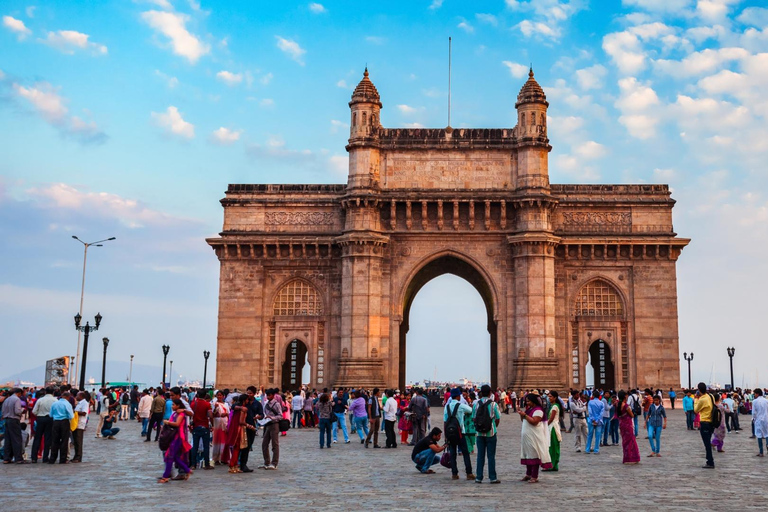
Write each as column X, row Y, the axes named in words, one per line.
column 455, row 266
column 295, row 365
column 600, row 366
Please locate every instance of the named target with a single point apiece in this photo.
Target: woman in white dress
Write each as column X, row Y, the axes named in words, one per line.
column 760, row 417
column 534, row 441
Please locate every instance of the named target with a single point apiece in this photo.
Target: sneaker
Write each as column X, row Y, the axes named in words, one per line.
column 334, row 441
column 347, row 441
column 270, row 466
column 478, row 481
column 497, row 481
column 263, row 466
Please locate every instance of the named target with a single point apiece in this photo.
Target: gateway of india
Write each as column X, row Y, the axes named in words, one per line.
column 576, row 279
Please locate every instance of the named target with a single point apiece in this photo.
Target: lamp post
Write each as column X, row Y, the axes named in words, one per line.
column 206, row 355
column 731, row 351
column 166, row 348
column 685, row 356
column 86, row 245
column 104, row 362
column 170, row 373
column 130, row 371
column 86, row 330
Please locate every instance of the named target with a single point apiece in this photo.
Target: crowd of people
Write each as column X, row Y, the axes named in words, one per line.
column 206, row 428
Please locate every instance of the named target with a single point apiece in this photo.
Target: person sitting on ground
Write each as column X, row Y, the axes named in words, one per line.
column 426, row 452
column 107, row 430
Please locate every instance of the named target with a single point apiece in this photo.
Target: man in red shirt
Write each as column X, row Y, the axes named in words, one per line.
column 202, row 418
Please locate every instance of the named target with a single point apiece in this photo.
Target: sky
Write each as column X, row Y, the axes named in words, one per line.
column 129, row 118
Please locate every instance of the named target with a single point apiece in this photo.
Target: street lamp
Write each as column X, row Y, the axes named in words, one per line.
column 130, row 371
column 104, row 362
column 86, row 329
column 170, row 373
column 731, row 351
column 206, row 355
column 685, row 356
column 166, row 348
column 86, row 245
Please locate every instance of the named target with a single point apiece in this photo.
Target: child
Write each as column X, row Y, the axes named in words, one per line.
column 24, row 440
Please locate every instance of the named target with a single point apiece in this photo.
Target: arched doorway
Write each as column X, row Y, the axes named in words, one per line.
column 604, row 376
column 448, row 264
column 293, row 367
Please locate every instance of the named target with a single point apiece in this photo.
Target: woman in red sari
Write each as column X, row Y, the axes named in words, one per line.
column 404, row 423
column 177, row 451
column 231, row 452
column 627, row 430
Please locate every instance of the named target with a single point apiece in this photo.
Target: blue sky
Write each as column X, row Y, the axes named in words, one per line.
column 129, row 119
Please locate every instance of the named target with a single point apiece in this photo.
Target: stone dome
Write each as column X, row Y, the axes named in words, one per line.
column 365, row 92
column 531, row 92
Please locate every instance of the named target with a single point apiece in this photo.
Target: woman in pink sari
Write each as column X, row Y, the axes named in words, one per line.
column 220, row 421
column 176, row 452
column 627, row 430
column 231, row 452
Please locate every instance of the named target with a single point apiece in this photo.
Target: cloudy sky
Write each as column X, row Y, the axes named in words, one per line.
column 129, row 118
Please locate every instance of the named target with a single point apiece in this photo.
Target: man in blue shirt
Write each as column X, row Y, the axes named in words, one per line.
column 595, row 422
column 688, row 409
column 61, row 412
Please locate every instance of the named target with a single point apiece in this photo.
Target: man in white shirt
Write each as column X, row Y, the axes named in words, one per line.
column 81, row 411
column 297, row 406
column 760, row 419
column 390, row 417
column 145, row 407
column 578, row 409
column 44, row 427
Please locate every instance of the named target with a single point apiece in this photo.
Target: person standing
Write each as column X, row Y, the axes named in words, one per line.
column 555, row 436
column 62, row 413
column 374, row 415
column 254, row 411
column 718, row 436
column 760, row 419
column 627, row 429
column 297, row 406
column 454, row 411
column 13, row 450
column 390, row 417
column 655, row 422
column 81, row 411
column 359, row 416
column 44, row 426
column 125, row 404
column 470, row 433
column 607, row 400
column 595, row 423
column 309, row 413
column 145, row 411
column 672, row 396
column 339, row 409
column 578, row 410
column 704, row 406
column 220, row 414
column 688, row 404
column 324, row 415
column 635, row 403
column 486, row 417
column 419, row 408
column 202, row 417
column 273, row 412
column 156, row 414
column 176, row 452
column 404, row 423
column 534, row 438
column 134, row 401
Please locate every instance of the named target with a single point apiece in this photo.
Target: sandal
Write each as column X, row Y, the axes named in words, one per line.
column 162, row 480
column 429, row 472
column 525, row 478
column 533, row 481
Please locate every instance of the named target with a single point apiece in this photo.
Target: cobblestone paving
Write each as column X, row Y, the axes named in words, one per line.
column 121, row 475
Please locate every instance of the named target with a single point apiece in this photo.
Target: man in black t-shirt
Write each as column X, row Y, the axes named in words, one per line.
column 339, row 408
column 426, row 452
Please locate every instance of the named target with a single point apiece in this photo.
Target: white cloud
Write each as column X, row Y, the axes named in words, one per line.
column 515, row 69
column 337, row 125
column 225, row 136
column 173, row 26
column 30, row 10
column 635, row 96
column 701, row 34
column 659, row 5
column 591, row 77
column 590, row 150
column 45, row 99
column 754, row 16
column 714, row 9
column 664, row 175
column 466, row 27
column 529, row 28
column 163, row 4
column 266, row 79
column 626, row 49
column 342, row 84
column 291, row 48
column 171, row 81
column 339, row 164
column 413, row 125
column 317, row 8
column 267, row 103
column 67, row 41
column 487, row 18
column 16, row 26
column 229, row 78
column 408, row 110
column 640, row 126
column 436, row 4
column 547, row 18
column 172, row 122
column 697, row 63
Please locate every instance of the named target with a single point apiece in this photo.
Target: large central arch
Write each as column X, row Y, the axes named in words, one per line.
column 461, row 266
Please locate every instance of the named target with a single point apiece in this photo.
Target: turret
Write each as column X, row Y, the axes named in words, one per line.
column 532, row 157
column 363, row 136
column 365, row 107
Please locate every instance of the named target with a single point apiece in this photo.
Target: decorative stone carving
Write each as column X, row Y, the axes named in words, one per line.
column 581, row 219
column 299, row 218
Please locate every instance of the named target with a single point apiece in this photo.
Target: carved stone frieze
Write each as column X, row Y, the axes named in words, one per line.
column 299, row 218
column 587, row 219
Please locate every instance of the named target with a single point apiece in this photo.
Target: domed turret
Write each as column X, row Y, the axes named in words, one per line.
column 365, row 92
column 531, row 92
column 531, row 110
column 365, row 107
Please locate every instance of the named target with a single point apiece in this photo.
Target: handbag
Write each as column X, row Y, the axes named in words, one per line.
column 167, row 433
column 445, row 460
column 73, row 422
column 243, row 439
column 284, row 425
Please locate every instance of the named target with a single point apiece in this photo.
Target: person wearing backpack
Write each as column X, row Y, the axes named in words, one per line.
column 655, row 422
column 704, row 407
column 453, row 416
column 635, row 404
column 485, row 418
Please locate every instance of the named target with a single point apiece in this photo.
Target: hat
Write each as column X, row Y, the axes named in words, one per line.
column 455, row 393
column 397, row 391
column 534, row 392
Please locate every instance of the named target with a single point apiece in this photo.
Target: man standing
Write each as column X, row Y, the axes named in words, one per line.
column 595, row 423
column 62, row 413
column 134, row 401
column 11, row 412
column 374, row 413
column 688, row 409
column 202, row 418
column 81, row 410
column 419, row 408
column 486, row 440
column 44, row 427
column 297, row 405
column 760, row 419
column 145, row 410
column 606, row 417
column 578, row 410
column 156, row 412
column 704, row 407
column 253, row 412
column 455, row 411
column 390, row 417
column 273, row 412
column 339, row 408
column 672, row 395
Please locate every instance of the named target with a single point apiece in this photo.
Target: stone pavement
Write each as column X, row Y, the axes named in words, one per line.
column 121, row 475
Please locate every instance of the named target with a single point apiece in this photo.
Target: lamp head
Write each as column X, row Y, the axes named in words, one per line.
column 166, row 348
column 106, row 342
column 78, row 318
column 112, row 238
column 98, row 320
column 206, row 354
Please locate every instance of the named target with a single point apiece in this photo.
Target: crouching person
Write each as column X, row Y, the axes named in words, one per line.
column 426, row 453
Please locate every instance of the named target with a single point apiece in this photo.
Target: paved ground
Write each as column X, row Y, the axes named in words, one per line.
column 121, row 475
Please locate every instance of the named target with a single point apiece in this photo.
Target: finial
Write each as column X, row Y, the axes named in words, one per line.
column 530, row 71
column 365, row 73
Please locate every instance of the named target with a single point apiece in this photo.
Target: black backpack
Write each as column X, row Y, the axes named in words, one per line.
column 452, row 427
column 717, row 415
column 637, row 409
column 483, row 422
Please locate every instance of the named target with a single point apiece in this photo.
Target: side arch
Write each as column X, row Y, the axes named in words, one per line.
column 598, row 280
column 297, row 296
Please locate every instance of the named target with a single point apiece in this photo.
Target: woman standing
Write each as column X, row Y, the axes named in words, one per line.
column 555, row 436
column 655, row 422
column 324, row 413
column 534, row 442
column 404, row 423
column 220, row 420
column 235, row 432
column 469, row 425
column 627, row 430
column 176, row 452
column 718, row 436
